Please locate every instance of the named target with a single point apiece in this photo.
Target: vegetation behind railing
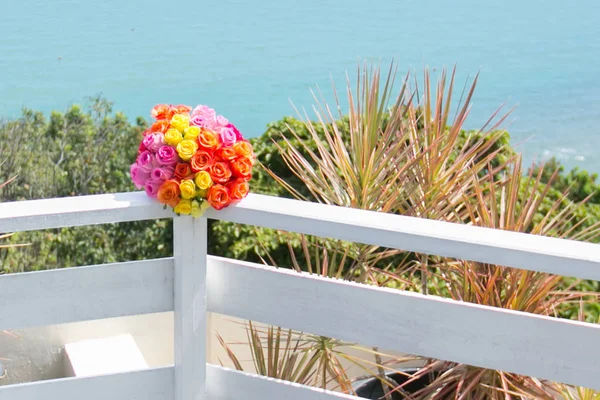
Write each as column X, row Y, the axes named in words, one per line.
column 403, row 155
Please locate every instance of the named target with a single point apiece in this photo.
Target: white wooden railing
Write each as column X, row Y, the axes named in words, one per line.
column 192, row 283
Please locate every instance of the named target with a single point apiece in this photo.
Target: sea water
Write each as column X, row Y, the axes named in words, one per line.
column 249, row 59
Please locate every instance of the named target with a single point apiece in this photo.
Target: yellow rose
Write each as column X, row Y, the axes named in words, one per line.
column 173, row 137
column 191, row 133
column 183, row 207
column 180, row 122
column 202, row 193
column 186, row 149
column 187, row 188
column 203, row 180
column 198, row 208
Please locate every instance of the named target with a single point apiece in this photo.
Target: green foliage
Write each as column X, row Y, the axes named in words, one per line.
column 75, row 153
column 294, row 357
column 580, row 186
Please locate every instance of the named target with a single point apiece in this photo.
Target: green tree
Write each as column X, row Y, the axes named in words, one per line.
column 78, row 152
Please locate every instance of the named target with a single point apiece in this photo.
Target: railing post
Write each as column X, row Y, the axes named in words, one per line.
column 189, row 248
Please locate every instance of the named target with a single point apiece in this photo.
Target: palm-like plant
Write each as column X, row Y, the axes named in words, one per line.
column 517, row 203
column 406, row 155
column 357, row 167
column 575, row 393
column 392, row 153
column 398, row 154
column 293, row 356
column 398, row 158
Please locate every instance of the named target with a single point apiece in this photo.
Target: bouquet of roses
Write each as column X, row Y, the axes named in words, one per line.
column 191, row 160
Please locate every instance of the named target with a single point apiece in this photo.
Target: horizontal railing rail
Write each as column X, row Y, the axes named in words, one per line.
column 410, row 322
column 191, row 283
column 513, row 249
column 86, row 293
column 157, row 384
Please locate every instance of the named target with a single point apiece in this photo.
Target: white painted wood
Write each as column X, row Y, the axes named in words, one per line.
column 548, row 348
column 77, row 211
column 500, row 339
column 151, row 384
column 102, row 356
column 563, row 257
column 226, row 384
column 85, row 293
column 189, row 245
column 532, row 252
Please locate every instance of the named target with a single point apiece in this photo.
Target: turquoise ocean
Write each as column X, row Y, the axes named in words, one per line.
column 249, row 59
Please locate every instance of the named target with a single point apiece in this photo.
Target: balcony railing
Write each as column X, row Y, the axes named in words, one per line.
column 192, row 283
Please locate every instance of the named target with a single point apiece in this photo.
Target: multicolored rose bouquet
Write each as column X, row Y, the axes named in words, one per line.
column 191, row 160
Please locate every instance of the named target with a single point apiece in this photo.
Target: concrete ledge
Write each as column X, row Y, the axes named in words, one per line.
column 104, row 356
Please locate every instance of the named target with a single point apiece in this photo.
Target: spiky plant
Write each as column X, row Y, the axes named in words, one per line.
column 577, row 393
column 293, row 356
column 358, row 167
column 518, row 203
column 407, row 156
column 446, row 161
column 400, row 154
column 391, row 153
column 513, row 202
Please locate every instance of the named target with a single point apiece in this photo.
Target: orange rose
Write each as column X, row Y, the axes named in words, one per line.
column 238, row 189
column 208, row 139
column 181, row 108
column 160, row 111
column 166, row 111
column 182, row 170
column 160, row 126
column 202, row 160
column 226, row 153
column 220, row 172
column 218, row 197
column 168, row 193
column 244, row 149
column 242, row 168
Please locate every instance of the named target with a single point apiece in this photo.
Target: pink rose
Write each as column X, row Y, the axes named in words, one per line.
column 204, row 111
column 202, row 121
column 221, row 121
column 153, row 141
column 146, row 161
column 161, row 174
column 238, row 134
column 204, row 116
column 138, row 175
column 228, row 136
column 166, row 155
column 152, row 187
